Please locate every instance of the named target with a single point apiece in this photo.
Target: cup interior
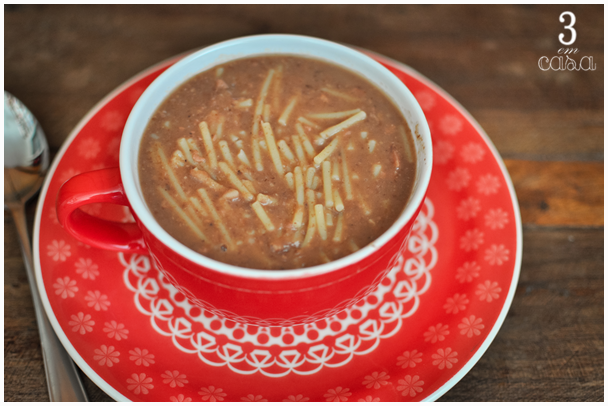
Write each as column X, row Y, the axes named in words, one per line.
column 246, row 47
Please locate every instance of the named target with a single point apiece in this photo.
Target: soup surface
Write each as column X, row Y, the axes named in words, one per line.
column 276, row 162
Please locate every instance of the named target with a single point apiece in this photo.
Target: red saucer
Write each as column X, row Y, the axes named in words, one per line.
column 413, row 338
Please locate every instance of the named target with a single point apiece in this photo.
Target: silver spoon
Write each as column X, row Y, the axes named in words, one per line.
column 26, row 159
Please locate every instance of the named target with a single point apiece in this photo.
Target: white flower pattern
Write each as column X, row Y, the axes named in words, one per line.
column 458, row 179
column 496, row 219
column 58, row 250
column 451, row 124
column 488, row 291
column 106, row 355
column 65, row 287
column 116, row 330
column 87, row 268
column 212, row 394
column 471, row 326
column 472, row 152
column 410, row 385
column 338, row 394
column 488, row 184
column 82, row 323
column 97, row 301
column 445, row 358
column 443, row 151
column 471, row 240
column 436, row 333
column 426, row 99
column 140, row 384
column 467, row 272
column 456, row 304
column 497, row 254
column 174, row 378
column 141, row 357
column 376, row 380
column 468, row 208
column 409, row 359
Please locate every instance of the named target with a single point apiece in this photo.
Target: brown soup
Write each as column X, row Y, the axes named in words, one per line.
column 277, row 162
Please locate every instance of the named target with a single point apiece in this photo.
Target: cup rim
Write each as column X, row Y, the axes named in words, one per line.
column 135, row 128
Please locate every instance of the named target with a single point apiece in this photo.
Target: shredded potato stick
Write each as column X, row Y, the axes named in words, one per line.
column 339, row 205
column 289, row 180
column 337, row 114
column 272, row 148
column 198, row 206
column 324, row 257
column 339, row 94
column 244, row 103
column 208, row 142
column 170, row 174
column 243, row 158
column 204, row 177
column 307, row 122
column 261, row 213
column 249, row 185
column 310, row 230
column 353, row 246
column 257, row 155
column 305, row 141
column 182, row 213
column 225, row 149
column 343, row 125
column 220, row 224
column 220, row 127
column 246, row 172
column 194, row 147
column 327, row 151
column 376, row 170
column 287, row 112
column 259, row 110
column 277, row 88
column 335, row 172
column 329, row 220
column 183, row 144
column 346, row 179
column 339, row 228
column 284, row 148
column 299, row 150
column 236, row 182
column 320, row 218
column 310, row 175
column 329, row 200
column 298, row 218
column 194, row 216
column 299, row 185
column 266, row 112
column 315, row 183
column 259, row 107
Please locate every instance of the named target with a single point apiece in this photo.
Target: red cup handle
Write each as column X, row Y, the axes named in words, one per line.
column 102, row 186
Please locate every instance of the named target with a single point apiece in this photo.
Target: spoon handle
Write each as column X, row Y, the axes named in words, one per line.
column 63, row 382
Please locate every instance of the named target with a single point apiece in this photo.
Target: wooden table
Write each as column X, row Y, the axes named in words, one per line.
column 547, row 125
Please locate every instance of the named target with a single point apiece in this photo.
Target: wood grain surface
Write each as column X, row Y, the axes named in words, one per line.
column 547, row 125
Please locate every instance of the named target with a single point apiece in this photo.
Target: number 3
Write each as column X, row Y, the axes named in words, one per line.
column 568, row 27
